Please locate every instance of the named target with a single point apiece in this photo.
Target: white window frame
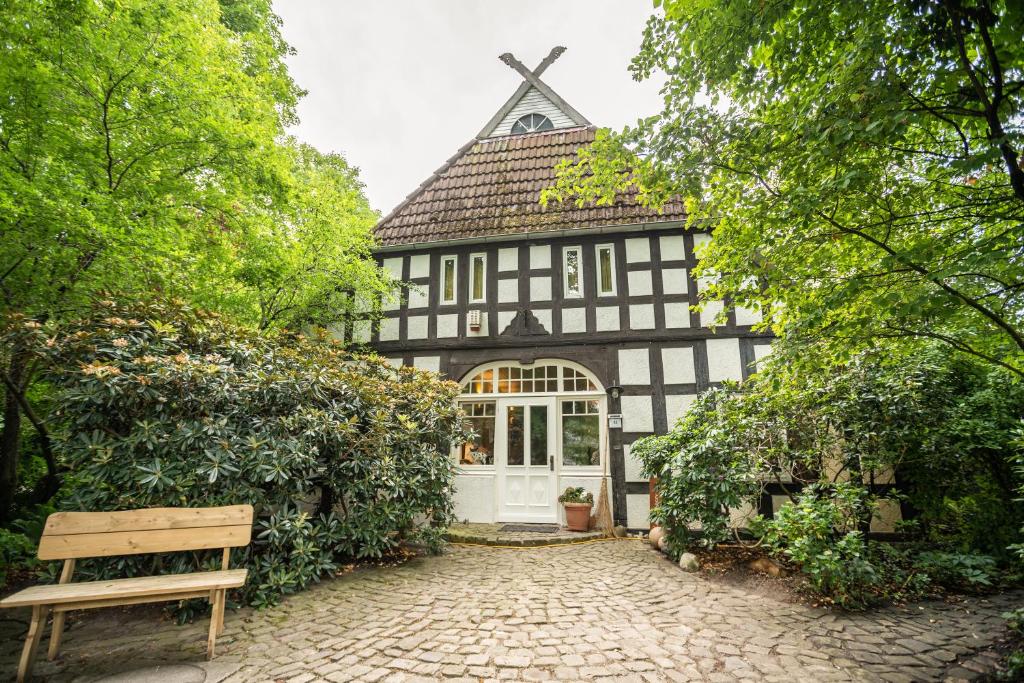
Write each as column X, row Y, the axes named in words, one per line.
column 483, row 274
column 597, row 268
column 455, row 279
column 565, row 272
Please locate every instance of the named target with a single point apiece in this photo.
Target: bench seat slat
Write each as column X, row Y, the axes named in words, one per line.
column 126, row 589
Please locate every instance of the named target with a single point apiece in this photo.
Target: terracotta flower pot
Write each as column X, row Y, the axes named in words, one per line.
column 577, row 516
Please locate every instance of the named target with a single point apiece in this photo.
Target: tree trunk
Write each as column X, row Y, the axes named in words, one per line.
column 10, row 439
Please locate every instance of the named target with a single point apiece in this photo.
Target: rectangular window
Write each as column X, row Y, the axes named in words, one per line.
column 448, row 286
column 581, row 433
column 477, row 278
column 572, row 267
column 606, row 270
column 480, row 449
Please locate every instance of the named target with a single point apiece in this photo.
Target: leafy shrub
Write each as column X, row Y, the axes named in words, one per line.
column 958, row 570
column 341, row 455
column 703, row 467
column 576, row 494
column 820, row 534
column 17, row 551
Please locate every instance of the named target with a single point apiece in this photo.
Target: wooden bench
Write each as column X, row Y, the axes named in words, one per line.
column 70, row 536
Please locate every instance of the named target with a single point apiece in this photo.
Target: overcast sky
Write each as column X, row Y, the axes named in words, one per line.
column 397, row 86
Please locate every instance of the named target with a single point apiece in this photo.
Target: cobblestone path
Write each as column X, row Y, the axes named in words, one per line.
column 613, row 610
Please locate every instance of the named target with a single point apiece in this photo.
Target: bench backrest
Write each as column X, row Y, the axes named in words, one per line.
column 72, row 535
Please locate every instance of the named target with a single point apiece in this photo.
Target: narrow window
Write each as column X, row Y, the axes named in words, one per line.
column 581, row 433
column 448, row 280
column 480, row 449
column 478, row 272
column 605, row 270
column 572, row 267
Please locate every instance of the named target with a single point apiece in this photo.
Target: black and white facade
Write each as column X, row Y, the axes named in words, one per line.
column 571, row 330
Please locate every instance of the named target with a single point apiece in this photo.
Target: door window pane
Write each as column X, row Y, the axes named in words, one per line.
column 538, row 436
column 480, row 449
column 581, row 433
column 516, row 435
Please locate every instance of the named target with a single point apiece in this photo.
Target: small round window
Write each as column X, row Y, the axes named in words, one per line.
column 531, row 123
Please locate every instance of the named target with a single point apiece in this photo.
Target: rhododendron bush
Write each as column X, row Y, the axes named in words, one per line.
column 342, row 455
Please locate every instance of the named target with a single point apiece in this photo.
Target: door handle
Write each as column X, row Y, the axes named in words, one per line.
column 551, row 462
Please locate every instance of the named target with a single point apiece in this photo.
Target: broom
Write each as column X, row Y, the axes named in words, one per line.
column 602, row 517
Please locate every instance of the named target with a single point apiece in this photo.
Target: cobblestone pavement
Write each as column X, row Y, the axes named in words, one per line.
column 613, row 610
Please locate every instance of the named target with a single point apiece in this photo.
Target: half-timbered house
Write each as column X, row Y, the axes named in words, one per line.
column 570, row 329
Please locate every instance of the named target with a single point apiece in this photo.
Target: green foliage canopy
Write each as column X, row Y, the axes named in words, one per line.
column 858, row 161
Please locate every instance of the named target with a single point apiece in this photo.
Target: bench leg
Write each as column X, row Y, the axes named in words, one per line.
column 35, row 633
column 56, row 634
column 220, row 612
column 216, row 616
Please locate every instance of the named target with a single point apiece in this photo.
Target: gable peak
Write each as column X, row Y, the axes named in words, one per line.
column 534, row 106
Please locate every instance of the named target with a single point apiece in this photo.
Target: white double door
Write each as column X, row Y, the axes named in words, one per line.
column 526, row 461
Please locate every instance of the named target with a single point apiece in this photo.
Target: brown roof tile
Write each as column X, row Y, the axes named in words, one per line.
column 492, row 187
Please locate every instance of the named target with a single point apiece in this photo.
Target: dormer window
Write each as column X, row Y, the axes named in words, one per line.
column 531, row 123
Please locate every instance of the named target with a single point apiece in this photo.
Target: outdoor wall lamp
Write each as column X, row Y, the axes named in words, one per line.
column 615, row 391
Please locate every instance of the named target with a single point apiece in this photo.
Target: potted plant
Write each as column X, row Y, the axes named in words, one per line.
column 577, row 502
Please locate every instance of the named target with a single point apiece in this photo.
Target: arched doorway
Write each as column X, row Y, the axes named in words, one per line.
column 540, row 428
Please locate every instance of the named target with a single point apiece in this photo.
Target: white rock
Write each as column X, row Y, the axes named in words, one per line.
column 688, row 562
column 663, row 544
column 655, row 535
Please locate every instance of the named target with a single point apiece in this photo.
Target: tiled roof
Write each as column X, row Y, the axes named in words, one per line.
column 492, row 187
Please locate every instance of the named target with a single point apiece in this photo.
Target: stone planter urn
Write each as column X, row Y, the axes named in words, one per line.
column 577, row 502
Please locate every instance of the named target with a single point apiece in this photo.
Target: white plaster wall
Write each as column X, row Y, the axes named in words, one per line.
column 540, row 288
column 474, row 498
column 634, row 367
column 638, row 508
column 676, row 406
column 638, row 250
column 637, row 414
column 674, row 281
column 389, row 329
column 724, row 360
column 419, row 265
column 748, row 316
column 540, row 256
column 677, row 366
column 417, row 327
column 677, row 315
column 641, row 316
column 639, row 283
column 394, row 266
column 508, row 259
column 607, row 318
column 543, row 317
column 761, row 351
column 504, row 318
column 574, row 320
column 394, row 362
column 709, row 314
column 419, row 296
column 673, row 248
column 432, row 363
column 508, row 291
column 634, row 471
column 448, row 325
